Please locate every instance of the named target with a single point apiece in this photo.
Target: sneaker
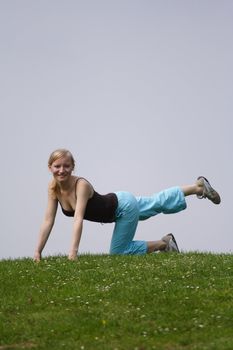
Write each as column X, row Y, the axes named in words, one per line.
column 208, row 191
column 172, row 246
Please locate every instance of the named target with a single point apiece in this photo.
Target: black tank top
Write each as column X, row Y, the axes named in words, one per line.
column 100, row 208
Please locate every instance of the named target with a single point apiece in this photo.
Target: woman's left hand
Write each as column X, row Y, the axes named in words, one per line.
column 72, row 256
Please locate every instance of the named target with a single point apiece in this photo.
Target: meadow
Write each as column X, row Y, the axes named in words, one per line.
column 157, row 301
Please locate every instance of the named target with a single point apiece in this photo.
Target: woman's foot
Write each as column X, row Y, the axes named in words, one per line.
column 207, row 191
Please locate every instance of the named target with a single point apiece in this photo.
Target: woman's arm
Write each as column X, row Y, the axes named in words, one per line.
column 46, row 226
column 83, row 192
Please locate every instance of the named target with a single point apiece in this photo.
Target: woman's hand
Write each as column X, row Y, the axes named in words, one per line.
column 73, row 255
column 37, row 257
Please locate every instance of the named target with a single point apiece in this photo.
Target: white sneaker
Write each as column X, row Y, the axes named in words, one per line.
column 208, row 191
column 172, row 246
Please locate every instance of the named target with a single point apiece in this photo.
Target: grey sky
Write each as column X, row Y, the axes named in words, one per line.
column 139, row 91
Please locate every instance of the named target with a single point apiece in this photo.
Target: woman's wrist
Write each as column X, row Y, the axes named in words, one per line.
column 38, row 252
column 74, row 250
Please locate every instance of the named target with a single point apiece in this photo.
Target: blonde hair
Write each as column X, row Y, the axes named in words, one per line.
column 55, row 155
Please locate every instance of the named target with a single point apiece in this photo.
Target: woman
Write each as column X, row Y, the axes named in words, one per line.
column 78, row 199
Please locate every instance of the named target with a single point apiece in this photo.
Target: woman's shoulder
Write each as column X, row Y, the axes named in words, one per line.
column 51, row 185
column 83, row 180
column 52, row 189
column 83, row 184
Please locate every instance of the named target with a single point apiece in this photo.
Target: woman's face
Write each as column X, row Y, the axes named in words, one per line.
column 62, row 168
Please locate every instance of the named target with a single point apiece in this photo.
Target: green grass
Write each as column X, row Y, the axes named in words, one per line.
column 160, row 301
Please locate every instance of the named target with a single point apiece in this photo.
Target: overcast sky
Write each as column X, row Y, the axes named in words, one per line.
column 140, row 91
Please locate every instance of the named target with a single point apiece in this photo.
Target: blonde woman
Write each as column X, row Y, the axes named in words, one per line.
column 79, row 200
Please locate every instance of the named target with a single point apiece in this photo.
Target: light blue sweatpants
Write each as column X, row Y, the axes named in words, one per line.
column 131, row 209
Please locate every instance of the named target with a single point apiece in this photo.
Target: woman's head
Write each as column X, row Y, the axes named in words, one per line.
column 61, row 164
column 58, row 154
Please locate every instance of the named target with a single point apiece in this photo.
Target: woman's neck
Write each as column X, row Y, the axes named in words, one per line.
column 65, row 186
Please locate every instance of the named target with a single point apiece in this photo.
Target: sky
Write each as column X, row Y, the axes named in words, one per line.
column 140, row 92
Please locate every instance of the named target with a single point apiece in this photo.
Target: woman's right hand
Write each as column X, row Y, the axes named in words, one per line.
column 37, row 257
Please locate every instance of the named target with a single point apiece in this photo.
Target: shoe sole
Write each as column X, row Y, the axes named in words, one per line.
column 174, row 240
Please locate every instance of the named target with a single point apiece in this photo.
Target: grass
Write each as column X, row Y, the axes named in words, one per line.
column 160, row 301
